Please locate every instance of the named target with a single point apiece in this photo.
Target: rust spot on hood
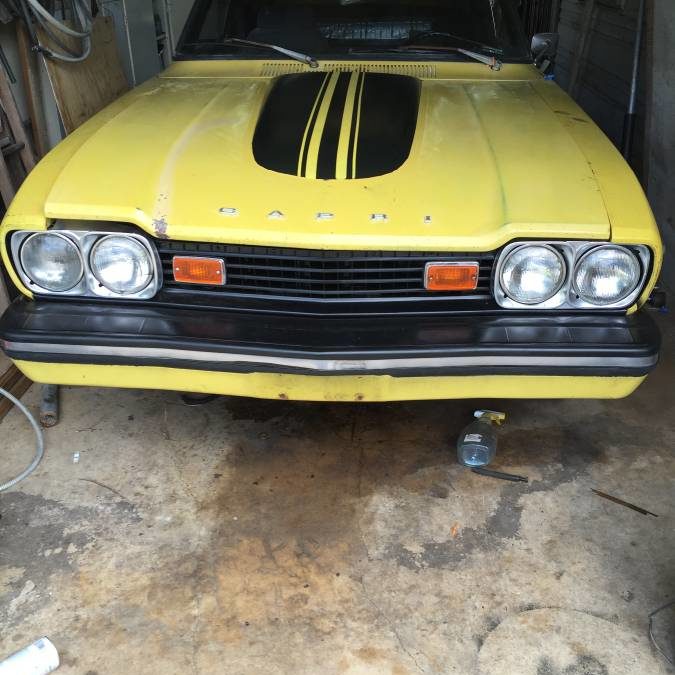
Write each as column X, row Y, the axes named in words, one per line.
column 160, row 226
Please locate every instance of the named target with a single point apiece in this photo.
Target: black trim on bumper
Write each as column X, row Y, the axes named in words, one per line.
column 494, row 343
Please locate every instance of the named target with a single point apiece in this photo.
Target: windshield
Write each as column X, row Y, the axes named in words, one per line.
column 410, row 29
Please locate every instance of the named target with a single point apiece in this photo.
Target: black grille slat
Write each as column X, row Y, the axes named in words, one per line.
column 315, row 271
column 323, row 270
column 325, row 280
column 252, row 290
column 271, row 272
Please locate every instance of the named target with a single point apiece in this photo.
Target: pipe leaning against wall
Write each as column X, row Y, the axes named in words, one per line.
column 631, row 113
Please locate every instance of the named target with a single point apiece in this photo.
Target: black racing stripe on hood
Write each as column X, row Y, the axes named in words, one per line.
column 277, row 141
column 331, row 134
column 311, row 109
column 304, row 146
column 388, row 119
column 352, row 129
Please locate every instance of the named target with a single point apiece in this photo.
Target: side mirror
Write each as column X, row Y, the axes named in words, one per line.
column 544, row 49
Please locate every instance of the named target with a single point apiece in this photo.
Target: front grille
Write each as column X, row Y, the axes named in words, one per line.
column 330, row 276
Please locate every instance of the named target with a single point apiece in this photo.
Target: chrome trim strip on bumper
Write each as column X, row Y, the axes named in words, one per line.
column 333, row 365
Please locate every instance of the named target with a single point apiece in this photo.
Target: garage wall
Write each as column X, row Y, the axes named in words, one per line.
column 178, row 11
column 605, row 74
column 661, row 136
column 136, row 37
column 49, row 111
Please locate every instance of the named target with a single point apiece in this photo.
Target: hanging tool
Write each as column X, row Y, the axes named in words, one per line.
column 631, row 114
column 18, row 142
column 34, row 13
column 6, row 65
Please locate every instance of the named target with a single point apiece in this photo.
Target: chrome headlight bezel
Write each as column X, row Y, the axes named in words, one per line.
column 567, row 297
column 88, row 286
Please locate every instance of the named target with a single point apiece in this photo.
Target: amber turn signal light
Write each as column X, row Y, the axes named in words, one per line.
column 451, row 276
column 207, row 271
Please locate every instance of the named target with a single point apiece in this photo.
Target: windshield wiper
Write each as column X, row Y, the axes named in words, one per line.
column 297, row 56
column 480, row 46
column 488, row 60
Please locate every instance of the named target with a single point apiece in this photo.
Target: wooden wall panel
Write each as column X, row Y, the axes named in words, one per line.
column 82, row 89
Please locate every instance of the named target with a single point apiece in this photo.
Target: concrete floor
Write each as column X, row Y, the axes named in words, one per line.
column 272, row 537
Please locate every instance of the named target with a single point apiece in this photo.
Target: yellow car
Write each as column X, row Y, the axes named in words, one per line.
column 338, row 200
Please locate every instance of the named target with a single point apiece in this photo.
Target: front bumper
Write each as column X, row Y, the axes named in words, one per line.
column 46, row 338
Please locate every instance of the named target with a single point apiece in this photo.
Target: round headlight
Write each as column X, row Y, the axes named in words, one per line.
column 532, row 274
column 52, row 261
column 121, row 264
column 606, row 275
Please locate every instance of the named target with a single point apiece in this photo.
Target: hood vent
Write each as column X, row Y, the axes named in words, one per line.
column 420, row 71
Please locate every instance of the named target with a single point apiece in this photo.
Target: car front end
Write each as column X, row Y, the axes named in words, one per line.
column 381, row 227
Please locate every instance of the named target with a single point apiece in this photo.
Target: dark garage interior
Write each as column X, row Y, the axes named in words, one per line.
column 281, row 530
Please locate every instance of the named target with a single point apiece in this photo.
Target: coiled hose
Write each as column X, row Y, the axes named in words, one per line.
column 82, row 16
column 40, row 446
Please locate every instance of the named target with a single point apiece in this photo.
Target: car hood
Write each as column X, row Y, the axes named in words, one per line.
column 459, row 165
